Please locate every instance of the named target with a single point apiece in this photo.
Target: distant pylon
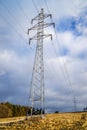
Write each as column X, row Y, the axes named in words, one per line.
column 36, row 97
column 75, row 107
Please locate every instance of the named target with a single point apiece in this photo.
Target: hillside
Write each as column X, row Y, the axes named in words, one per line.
column 60, row 121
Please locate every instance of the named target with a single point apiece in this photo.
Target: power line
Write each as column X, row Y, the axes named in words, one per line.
column 9, row 12
column 35, row 6
column 21, row 8
column 61, row 52
column 39, row 2
column 59, row 46
column 65, row 69
column 51, row 66
column 46, row 67
column 59, row 63
column 47, row 6
column 64, row 65
column 12, row 27
column 37, row 11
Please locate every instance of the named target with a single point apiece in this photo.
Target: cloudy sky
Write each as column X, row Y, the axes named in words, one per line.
column 65, row 57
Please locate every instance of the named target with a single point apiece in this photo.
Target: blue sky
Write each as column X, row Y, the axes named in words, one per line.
column 71, row 23
column 17, row 57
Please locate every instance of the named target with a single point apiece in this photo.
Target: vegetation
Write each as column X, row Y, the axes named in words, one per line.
column 59, row 121
column 85, row 109
column 10, row 110
column 56, row 121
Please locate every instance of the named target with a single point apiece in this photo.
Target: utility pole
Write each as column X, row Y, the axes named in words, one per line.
column 75, row 107
column 36, row 97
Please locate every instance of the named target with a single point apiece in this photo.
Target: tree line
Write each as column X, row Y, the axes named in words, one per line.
column 9, row 110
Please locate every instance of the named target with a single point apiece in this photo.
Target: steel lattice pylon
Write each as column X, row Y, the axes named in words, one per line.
column 36, row 97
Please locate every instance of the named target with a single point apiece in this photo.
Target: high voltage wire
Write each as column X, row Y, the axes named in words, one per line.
column 47, row 68
column 9, row 12
column 45, row 1
column 65, row 68
column 46, row 56
column 66, row 71
column 51, row 66
column 13, row 27
column 35, row 5
column 21, row 8
column 64, row 65
column 54, row 72
column 47, row 6
column 24, row 39
column 16, row 30
column 39, row 2
column 59, row 63
column 61, row 52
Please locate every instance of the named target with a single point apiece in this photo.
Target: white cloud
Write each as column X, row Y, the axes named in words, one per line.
column 65, row 7
column 75, row 65
column 16, row 61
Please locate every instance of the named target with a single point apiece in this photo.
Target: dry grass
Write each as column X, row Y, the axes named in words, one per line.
column 61, row 121
column 11, row 119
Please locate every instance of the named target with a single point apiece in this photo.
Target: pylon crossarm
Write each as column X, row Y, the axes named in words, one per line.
column 45, row 25
column 37, row 99
column 47, row 15
column 36, row 18
column 44, row 16
column 37, row 37
column 33, row 28
column 48, row 24
column 33, row 38
column 45, row 36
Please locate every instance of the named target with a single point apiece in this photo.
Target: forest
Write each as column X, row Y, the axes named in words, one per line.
column 9, row 110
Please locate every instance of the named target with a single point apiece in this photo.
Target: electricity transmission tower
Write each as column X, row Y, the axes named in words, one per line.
column 75, row 107
column 36, row 97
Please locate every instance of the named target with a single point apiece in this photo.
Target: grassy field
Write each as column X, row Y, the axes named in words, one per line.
column 60, row 121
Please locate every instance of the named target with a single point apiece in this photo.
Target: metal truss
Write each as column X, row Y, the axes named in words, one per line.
column 36, row 97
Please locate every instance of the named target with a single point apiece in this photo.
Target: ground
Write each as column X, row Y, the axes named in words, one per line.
column 59, row 121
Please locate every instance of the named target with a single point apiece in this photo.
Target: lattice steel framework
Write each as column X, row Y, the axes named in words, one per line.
column 36, row 97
